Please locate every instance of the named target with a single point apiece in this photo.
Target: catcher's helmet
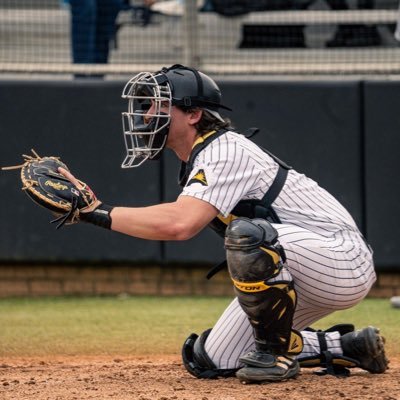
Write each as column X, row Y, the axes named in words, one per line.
column 146, row 134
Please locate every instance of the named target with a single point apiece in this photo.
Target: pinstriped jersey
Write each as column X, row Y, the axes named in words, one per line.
column 232, row 168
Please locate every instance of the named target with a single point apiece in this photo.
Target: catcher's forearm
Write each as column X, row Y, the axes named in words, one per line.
column 179, row 220
column 101, row 216
column 151, row 223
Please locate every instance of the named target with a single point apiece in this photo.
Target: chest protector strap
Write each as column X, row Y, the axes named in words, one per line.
column 252, row 208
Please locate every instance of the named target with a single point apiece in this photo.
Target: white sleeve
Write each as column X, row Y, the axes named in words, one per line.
column 222, row 175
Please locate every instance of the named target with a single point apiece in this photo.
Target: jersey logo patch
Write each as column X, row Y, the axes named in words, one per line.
column 199, row 177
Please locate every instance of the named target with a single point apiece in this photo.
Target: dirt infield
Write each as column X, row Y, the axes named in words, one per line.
column 163, row 378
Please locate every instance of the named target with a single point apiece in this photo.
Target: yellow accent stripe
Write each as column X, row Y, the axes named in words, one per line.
column 202, row 138
column 296, row 343
column 273, row 254
column 251, row 287
column 345, row 363
column 276, row 303
column 292, row 295
column 226, row 220
column 281, row 286
column 282, row 313
column 335, row 361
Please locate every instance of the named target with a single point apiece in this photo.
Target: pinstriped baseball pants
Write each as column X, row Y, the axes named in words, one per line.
column 329, row 273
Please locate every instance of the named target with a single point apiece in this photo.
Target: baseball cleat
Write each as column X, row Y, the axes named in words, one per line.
column 366, row 346
column 284, row 368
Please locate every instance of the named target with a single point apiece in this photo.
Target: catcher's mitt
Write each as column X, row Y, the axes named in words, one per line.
column 42, row 182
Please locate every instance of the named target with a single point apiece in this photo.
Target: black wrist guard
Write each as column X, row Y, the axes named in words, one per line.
column 100, row 216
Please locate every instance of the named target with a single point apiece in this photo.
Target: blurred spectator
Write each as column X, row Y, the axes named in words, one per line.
column 354, row 35
column 145, row 11
column 92, row 28
column 172, row 7
column 397, row 32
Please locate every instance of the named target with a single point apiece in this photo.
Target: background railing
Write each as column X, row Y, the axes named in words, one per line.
column 308, row 38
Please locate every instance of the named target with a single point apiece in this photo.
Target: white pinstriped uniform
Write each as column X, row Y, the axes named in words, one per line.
column 327, row 258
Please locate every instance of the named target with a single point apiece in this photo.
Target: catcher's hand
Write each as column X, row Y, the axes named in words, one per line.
column 47, row 181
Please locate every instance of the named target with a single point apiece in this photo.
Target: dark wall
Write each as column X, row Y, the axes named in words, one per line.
column 331, row 131
column 80, row 123
column 382, row 166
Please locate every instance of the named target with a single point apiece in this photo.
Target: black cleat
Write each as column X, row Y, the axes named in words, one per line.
column 267, row 368
column 366, row 346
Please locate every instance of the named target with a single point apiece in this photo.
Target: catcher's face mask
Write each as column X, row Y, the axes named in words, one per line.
column 146, row 123
column 151, row 96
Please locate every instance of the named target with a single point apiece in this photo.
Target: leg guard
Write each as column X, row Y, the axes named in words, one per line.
column 254, row 256
column 363, row 349
column 196, row 360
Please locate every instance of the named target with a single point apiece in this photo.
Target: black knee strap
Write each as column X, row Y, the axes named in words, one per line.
column 196, row 360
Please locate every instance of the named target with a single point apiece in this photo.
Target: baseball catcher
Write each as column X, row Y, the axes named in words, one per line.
column 294, row 254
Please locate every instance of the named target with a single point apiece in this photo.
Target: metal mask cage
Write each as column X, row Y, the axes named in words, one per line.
column 145, row 133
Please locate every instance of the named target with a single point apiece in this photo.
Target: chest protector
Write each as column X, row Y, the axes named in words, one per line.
column 252, row 208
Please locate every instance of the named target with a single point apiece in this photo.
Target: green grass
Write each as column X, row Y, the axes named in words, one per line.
column 140, row 325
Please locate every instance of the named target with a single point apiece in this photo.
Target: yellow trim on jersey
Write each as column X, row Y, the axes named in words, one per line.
column 226, row 220
column 202, row 138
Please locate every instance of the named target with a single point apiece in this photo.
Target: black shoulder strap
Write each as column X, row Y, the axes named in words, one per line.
column 275, row 188
column 276, row 159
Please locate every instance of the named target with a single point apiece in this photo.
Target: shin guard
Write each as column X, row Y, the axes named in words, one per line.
column 254, row 257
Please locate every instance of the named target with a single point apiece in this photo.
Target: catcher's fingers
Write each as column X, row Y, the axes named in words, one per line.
column 70, row 177
column 79, row 186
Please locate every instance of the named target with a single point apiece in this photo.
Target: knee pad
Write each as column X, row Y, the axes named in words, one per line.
column 196, row 360
column 254, row 256
column 252, row 249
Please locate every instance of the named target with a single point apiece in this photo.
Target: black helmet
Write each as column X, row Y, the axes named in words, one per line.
column 191, row 88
